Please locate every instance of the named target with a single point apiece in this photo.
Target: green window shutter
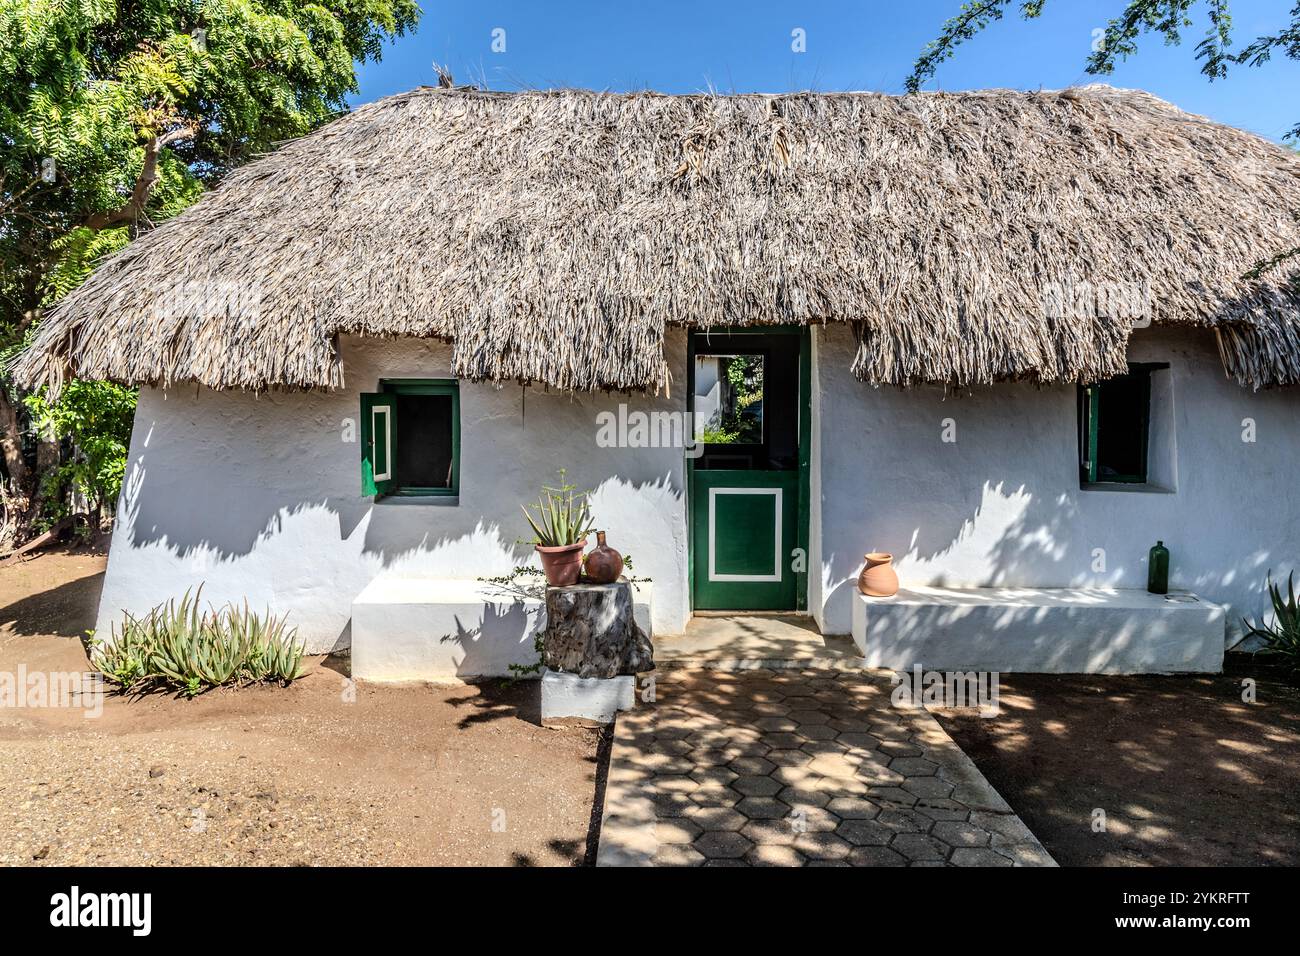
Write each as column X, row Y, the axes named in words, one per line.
column 378, row 430
column 1115, row 428
column 1091, row 407
column 1146, row 422
column 454, row 391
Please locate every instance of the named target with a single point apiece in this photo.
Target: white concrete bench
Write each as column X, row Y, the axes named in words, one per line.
column 1032, row 630
column 440, row 629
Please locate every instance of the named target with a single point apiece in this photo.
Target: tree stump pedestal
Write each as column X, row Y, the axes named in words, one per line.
column 592, row 651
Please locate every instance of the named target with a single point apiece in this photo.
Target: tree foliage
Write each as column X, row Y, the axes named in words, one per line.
column 114, row 115
column 94, row 419
column 117, row 114
column 1164, row 18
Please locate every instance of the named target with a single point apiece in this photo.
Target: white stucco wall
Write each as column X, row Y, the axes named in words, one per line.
column 1002, row 505
column 259, row 497
column 816, row 582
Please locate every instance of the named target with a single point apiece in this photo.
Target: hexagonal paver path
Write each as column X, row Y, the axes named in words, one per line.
column 797, row 768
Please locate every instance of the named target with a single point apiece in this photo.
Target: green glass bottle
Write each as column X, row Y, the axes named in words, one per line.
column 1158, row 569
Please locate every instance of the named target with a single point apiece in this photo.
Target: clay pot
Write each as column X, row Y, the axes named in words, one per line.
column 878, row 578
column 562, row 565
column 604, row 564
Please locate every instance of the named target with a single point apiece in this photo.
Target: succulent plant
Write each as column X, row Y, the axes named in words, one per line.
column 179, row 645
column 563, row 516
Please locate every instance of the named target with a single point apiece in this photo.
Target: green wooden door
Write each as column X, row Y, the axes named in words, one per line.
column 749, row 393
column 744, row 528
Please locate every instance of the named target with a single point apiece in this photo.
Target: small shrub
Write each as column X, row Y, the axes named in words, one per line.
column 1281, row 636
column 718, row 435
column 178, row 646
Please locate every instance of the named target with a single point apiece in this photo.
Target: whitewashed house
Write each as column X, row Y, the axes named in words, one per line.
column 1011, row 338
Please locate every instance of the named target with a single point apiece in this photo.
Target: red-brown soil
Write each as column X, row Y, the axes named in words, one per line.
column 401, row 774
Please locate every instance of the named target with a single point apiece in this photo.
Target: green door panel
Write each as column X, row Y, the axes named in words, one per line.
column 744, row 529
column 751, row 517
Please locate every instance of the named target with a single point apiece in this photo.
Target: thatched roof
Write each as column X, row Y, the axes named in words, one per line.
column 971, row 237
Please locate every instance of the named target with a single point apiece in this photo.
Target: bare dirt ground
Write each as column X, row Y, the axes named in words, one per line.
column 1186, row 773
column 401, row 775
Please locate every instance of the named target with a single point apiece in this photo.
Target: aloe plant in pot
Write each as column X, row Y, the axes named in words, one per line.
column 561, row 525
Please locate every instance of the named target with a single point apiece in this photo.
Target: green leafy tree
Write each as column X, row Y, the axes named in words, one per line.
column 117, row 114
column 94, row 420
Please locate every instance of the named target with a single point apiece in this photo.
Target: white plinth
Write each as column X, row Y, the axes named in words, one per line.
column 1031, row 630
column 441, row 629
column 423, row 629
column 593, row 698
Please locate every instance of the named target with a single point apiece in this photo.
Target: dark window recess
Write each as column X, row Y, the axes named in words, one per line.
column 1114, row 428
column 423, row 452
column 410, row 439
column 747, row 395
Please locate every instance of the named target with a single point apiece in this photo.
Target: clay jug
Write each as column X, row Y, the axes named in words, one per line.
column 604, row 564
column 878, row 578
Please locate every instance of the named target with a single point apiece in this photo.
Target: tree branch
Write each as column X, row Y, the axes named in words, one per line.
column 148, row 178
column 973, row 18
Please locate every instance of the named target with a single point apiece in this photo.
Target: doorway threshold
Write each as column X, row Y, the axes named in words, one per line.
column 742, row 640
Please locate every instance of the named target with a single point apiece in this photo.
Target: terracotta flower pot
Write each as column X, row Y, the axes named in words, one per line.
column 562, row 565
column 603, row 564
column 878, row 578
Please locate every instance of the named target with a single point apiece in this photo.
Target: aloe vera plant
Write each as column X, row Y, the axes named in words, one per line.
column 1281, row 636
column 179, row 645
column 563, row 516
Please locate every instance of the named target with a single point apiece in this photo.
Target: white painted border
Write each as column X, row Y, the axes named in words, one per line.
column 388, row 439
column 713, row 537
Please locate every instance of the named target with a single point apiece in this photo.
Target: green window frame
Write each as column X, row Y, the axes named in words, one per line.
column 381, row 433
column 1106, row 408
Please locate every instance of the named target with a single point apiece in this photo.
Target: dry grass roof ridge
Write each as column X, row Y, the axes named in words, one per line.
column 552, row 236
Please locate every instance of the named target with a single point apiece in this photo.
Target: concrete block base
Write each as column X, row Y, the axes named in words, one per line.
column 440, row 629
column 1032, row 630
column 593, row 698
column 406, row 629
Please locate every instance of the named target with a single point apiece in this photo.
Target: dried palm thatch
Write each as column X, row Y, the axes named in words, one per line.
column 551, row 236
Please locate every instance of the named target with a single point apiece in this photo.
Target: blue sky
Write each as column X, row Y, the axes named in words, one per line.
column 682, row 46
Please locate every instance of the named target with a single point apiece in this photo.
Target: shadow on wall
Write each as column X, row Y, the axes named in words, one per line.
column 504, row 635
column 229, row 521
column 981, row 488
column 645, row 520
column 1012, row 536
column 392, row 534
column 1015, row 537
column 225, row 518
column 281, row 536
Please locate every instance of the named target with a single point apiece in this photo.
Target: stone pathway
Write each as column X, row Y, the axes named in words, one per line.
column 794, row 768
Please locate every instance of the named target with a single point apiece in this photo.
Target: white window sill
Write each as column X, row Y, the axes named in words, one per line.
column 1145, row 488
column 437, row 501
